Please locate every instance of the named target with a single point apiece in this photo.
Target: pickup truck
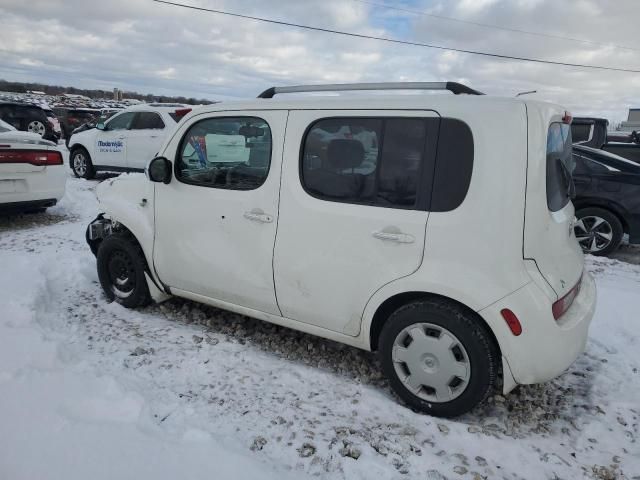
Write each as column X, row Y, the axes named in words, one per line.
column 592, row 132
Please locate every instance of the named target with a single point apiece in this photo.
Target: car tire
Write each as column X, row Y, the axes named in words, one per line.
column 81, row 163
column 438, row 357
column 36, row 126
column 121, row 270
column 598, row 231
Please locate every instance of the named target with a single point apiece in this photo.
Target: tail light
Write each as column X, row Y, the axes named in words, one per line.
column 560, row 307
column 38, row 158
column 567, row 118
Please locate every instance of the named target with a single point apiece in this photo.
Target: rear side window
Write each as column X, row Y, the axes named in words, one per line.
column 147, row 120
column 370, row 161
column 559, row 166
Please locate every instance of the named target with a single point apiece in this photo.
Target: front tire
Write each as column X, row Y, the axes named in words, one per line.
column 121, row 270
column 438, row 358
column 598, row 231
column 81, row 163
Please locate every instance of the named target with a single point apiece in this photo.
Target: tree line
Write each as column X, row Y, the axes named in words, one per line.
column 22, row 87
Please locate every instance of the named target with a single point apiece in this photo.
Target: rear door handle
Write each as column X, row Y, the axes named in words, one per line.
column 258, row 217
column 394, row 237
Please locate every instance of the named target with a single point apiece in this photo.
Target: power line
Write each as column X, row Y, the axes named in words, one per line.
column 396, row 41
column 498, row 27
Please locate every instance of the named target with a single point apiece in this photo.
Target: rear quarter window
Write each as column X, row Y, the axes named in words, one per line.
column 559, row 166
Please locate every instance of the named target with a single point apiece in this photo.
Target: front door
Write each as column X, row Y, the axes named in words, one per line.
column 216, row 220
column 144, row 139
column 355, row 187
column 111, row 143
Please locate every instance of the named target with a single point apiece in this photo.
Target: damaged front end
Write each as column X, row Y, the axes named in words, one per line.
column 98, row 230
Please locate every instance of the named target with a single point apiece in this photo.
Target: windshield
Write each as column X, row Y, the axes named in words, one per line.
column 609, row 159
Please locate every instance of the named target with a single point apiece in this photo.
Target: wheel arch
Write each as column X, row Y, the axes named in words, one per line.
column 159, row 292
column 387, row 307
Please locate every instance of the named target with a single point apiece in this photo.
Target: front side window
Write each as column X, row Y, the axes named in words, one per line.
column 371, row 161
column 121, row 122
column 147, row 120
column 559, row 166
column 230, row 152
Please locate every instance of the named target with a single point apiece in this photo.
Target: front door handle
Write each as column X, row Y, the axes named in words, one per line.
column 394, row 237
column 258, row 217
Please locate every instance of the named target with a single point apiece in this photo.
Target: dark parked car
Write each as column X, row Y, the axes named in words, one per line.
column 592, row 132
column 607, row 199
column 72, row 118
column 28, row 118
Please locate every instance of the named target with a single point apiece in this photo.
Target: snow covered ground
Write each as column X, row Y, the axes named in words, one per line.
column 89, row 390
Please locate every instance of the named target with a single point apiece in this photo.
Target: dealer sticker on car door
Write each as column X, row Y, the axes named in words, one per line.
column 110, row 146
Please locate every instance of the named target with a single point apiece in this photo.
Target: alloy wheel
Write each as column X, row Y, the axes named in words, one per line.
column 36, row 126
column 80, row 164
column 593, row 233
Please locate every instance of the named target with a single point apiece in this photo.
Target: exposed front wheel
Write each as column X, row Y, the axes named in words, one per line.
column 438, row 358
column 598, row 231
column 81, row 164
column 121, row 267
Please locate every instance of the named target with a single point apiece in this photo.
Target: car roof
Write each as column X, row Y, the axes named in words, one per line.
column 366, row 102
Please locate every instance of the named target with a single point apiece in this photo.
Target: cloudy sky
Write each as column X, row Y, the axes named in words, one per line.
column 152, row 48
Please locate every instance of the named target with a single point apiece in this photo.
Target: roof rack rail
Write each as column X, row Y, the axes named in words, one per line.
column 454, row 87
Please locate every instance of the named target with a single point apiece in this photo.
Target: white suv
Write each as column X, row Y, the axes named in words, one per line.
column 126, row 141
column 435, row 229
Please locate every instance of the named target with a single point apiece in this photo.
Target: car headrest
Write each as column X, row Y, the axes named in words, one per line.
column 344, row 153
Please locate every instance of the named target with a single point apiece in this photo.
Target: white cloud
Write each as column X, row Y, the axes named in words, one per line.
column 148, row 47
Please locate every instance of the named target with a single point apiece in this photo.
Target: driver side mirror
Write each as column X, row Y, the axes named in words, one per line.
column 159, row 170
column 101, row 126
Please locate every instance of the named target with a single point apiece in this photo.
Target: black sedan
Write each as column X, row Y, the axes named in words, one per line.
column 607, row 200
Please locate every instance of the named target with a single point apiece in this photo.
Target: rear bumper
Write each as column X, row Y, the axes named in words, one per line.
column 21, row 187
column 546, row 347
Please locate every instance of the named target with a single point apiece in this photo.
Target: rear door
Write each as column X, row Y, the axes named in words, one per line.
column 549, row 235
column 144, row 139
column 355, row 186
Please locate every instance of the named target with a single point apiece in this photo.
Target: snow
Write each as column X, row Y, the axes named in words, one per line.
column 180, row 390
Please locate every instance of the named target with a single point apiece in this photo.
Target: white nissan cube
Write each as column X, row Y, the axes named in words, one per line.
column 436, row 230
column 32, row 172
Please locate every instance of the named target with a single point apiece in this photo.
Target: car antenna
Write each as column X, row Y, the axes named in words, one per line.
column 526, row 93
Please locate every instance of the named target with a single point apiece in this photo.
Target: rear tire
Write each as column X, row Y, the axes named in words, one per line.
column 598, row 231
column 81, row 163
column 438, row 358
column 121, row 270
